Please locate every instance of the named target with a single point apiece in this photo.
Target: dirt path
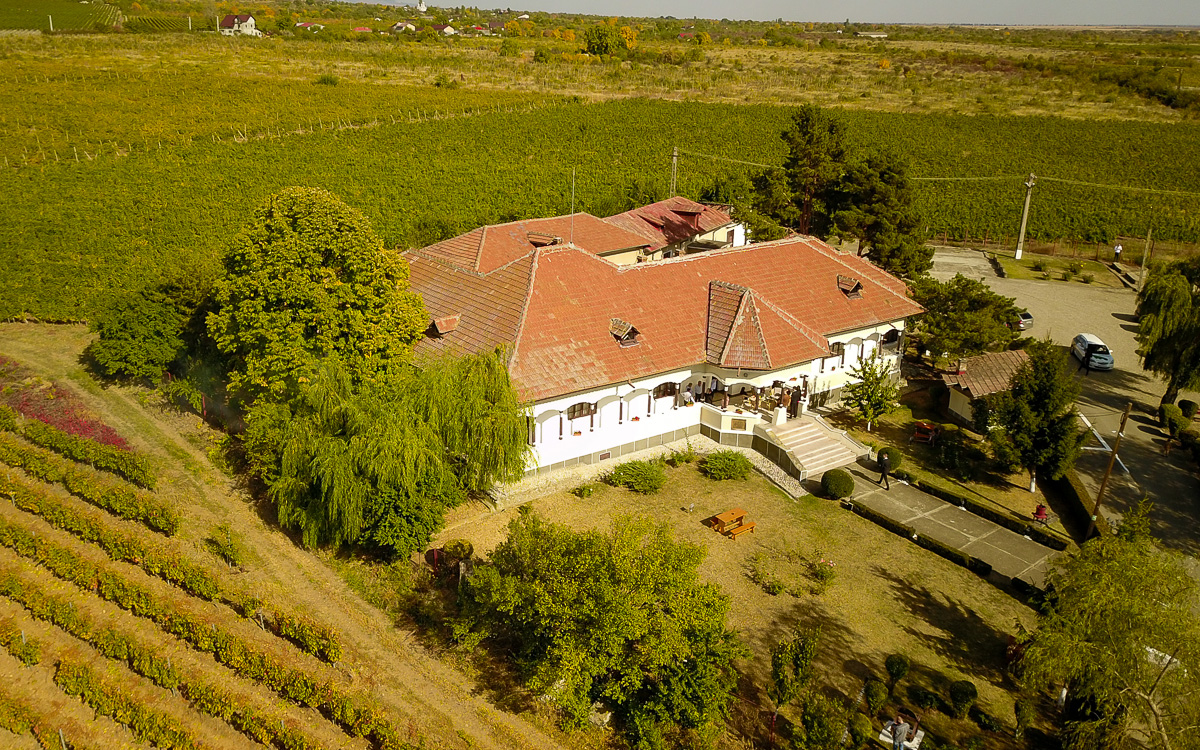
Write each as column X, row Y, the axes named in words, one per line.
column 423, row 694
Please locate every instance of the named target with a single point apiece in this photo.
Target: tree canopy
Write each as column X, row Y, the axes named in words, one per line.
column 378, row 466
column 1169, row 325
column 875, row 392
column 1033, row 423
column 1121, row 632
column 825, row 187
column 620, row 618
column 963, row 317
column 309, row 278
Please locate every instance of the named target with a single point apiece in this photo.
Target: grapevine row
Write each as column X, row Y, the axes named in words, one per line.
column 86, row 484
column 123, row 463
column 167, row 565
column 142, row 659
column 245, row 661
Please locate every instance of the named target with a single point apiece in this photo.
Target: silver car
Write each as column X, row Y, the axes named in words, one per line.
column 1023, row 322
column 1089, row 345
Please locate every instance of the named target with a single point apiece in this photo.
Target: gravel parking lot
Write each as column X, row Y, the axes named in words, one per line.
column 1063, row 309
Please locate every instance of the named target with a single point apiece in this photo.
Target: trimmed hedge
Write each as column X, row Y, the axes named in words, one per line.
column 894, row 454
column 226, row 648
column 837, row 484
column 1189, row 409
column 143, row 660
column 118, row 499
column 726, row 465
column 166, row 564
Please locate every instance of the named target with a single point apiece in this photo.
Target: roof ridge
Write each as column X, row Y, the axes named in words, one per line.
column 803, row 328
column 479, row 247
column 516, row 342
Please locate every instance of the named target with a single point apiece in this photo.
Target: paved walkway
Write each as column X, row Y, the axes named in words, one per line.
column 1010, row 554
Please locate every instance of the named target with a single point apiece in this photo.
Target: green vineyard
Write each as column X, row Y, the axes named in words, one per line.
column 132, row 213
column 68, row 15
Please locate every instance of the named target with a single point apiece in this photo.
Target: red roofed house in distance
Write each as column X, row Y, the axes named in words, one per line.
column 661, row 323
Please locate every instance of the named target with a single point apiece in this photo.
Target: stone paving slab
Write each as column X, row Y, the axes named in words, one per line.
column 1010, row 554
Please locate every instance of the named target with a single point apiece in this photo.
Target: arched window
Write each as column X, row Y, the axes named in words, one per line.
column 582, row 409
column 665, row 390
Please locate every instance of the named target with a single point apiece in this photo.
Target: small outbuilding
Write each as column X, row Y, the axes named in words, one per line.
column 977, row 377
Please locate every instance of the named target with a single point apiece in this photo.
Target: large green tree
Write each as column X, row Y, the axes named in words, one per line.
column 378, row 466
column 963, row 317
column 873, row 202
column 620, row 618
column 817, row 160
column 1169, row 325
column 1120, row 631
column 1034, row 421
column 307, row 279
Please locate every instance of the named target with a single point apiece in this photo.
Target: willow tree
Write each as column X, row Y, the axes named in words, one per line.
column 308, row 279
column 1169, row 326
column 379, row 467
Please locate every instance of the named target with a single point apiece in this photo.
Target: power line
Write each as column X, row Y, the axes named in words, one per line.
column 731, row 161
column 1119, row 187
column 972, row 179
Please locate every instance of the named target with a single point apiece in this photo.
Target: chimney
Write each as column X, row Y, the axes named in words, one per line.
column 962, row 367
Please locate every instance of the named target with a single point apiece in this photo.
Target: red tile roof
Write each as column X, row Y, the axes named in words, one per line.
column 554, row 307
column 987, row 373
column 228, row 22
column 672, row 220
column 488, row 248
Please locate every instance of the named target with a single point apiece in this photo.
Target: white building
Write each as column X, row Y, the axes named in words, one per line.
column 235, row 25
column 734, row 343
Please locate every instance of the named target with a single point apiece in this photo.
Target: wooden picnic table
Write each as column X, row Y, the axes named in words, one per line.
column 723, row 522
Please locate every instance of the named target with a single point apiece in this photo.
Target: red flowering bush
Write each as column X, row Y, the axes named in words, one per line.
column 52, row 405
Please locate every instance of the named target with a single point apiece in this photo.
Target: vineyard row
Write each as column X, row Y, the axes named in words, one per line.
column 125, row 464
column 245, row 661
column 171, row 567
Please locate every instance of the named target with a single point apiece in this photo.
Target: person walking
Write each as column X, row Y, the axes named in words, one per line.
column 900, row 729
column 885, row 468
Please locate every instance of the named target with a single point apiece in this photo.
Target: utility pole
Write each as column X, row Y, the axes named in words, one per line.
column 1145, row 257
column 51, row 23
column 1112, row 458
column 1025, row 214
column 674, row 168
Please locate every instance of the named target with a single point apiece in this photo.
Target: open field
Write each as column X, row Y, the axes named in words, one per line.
column 888, row 595
column 69, row 15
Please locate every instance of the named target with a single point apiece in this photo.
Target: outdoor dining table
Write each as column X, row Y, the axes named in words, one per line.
column 723, row 522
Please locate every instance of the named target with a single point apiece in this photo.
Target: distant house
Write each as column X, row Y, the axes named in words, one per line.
column 678, row 226
column 977, row 377
column 686, row 36
column 234, row 25
column 523, row 17
column 362, row 29
column 310, row 25
column 444, row 29
column 871, row 34
column 400, row 26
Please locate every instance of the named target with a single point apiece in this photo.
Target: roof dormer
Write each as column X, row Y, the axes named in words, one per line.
column 850, row 287
column 624, row 333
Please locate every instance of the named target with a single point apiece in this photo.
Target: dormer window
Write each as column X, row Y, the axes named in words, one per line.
column 624, row 333
column 850, row 287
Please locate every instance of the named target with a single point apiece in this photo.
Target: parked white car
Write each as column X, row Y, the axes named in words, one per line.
column 1101, row 356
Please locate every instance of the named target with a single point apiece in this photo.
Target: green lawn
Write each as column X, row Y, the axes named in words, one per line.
column 1054, row 266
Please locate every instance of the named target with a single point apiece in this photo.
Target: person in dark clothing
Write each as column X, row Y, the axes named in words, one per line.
column 885, row 468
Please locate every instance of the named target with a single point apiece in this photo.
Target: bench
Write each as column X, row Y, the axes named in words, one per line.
column 738, row 530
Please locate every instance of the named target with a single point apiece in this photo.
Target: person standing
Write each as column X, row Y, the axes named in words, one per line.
column 1117, row 253
column 900, row 729
column 885, row 468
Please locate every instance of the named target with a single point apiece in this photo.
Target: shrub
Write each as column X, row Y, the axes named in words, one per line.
column 837, row 484
column 1172, row 420
column 773, row 586
column 327, row 79
column 27, row 650
column 1074, row 266
column 726, row 465
column 645, row 477
column 962, row 697
column 985, row 721
column 458, row 549
column 1025, row 715
column 1189, row 437
column 1088, row 278
column 894, row 455
column 897, row 666
column 1038, row 265
column 685, row 456
column 224, row 544
column 1066, row 275
column 876, row 694
column 824, row 722
column 1189, row 409
column 584, row 491
column 861, row 731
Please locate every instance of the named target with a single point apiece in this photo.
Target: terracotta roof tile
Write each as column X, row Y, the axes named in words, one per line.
column 987, row 373
column 555, row 307
column 672, row 220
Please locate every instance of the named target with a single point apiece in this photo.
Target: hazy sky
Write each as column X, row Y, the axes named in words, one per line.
column 991, row 12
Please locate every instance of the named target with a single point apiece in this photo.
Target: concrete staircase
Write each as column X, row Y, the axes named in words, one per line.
column 814, row 446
